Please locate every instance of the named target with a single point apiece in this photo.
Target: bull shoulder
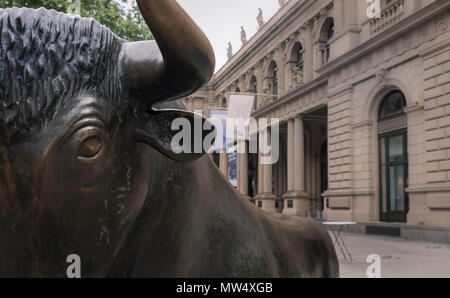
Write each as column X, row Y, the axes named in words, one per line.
column 291, row 246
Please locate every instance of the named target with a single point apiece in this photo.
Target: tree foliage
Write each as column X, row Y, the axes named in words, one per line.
column 123, row 19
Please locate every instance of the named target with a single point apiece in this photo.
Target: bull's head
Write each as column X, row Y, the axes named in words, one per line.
column 78, row 109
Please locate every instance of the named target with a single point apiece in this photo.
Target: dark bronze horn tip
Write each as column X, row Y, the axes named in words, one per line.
column 180, row 61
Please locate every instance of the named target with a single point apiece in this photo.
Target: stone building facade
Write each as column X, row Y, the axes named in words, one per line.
column 364, row 106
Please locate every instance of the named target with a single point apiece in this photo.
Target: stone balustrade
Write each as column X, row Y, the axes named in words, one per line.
column 391, row 14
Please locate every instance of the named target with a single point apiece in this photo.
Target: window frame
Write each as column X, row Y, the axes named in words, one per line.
column 383, row 112
column 385, row 165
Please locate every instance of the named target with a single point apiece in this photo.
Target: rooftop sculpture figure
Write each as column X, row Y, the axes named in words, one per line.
column 86, row 165
column 260, row 18
column 243, row 36
column 230, row 51
column 283, row 2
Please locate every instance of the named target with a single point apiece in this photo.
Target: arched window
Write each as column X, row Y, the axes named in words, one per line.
column 296, row 65
column 392, row 105
column 393, row 157
column 238, row 90
column 273, row 76
column 385, row 3
column 327, row 47
column 297, row 56
column 252, row 88
column 326, row 34
column 275, row 82
column 224, row 103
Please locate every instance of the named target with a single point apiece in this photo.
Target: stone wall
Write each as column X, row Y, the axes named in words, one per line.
column 410, row 54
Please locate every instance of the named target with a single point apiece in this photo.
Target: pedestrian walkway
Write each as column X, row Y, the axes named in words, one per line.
column 399, row 258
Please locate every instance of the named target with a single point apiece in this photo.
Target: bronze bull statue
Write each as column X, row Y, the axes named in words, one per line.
column 86, row 166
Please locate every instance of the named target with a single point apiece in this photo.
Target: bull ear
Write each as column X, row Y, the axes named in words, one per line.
column 180, row 135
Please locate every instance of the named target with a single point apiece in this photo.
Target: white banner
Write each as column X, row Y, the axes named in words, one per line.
column 240, row 106
column 239, row 110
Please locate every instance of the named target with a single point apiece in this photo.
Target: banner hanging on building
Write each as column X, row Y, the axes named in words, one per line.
column 218, row 119
column 239, row 110
column 232, row 165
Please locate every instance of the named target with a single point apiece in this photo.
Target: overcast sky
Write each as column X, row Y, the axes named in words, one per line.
column 221, row 20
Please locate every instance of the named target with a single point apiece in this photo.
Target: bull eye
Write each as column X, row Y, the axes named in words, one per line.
column 90, row 147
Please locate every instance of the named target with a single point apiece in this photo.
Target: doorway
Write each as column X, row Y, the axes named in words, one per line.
column 323, row 174
column 393, row 177
column 393, row 158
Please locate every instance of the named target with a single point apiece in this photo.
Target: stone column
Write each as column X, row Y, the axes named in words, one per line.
column 351, row 13
column 338, row 16
column 308, row 161
column 260, row 175
column 346, row 27
column 308, row 168
column 223, row 162
column 298, row 196
column 299, row 153
column 268, row 179
column 314, row 183
column 268, row 173
column 238, row 172
column 243, row 168
column 290, row 157
column 265, row 196
column 309, row 67
column 281, row 76
column 244, row 174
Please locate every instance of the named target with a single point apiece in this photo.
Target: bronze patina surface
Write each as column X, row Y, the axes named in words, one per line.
column 86, row 166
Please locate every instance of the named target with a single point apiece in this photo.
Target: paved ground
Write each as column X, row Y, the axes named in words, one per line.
column 399, row 258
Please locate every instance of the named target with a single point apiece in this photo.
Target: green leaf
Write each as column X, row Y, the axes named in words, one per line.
column 123, row 20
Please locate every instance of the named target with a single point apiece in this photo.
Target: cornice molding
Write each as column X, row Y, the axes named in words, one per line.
column 294, row 94
column 428, row 189
column 412, row 21
column 355, row 193
column 265, row 38
column 415, row 108
column 341, row 91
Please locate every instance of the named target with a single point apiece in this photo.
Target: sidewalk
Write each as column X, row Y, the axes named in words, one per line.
column 399, row 258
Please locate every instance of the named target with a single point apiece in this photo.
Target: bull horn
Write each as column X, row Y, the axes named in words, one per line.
column 179, row 62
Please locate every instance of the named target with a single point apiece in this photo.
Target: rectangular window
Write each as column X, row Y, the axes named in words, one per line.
column 397, row 188
column 383, row 189
column 300, row 65
column 275, row 84
column 290, row 204
column 396, row 148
